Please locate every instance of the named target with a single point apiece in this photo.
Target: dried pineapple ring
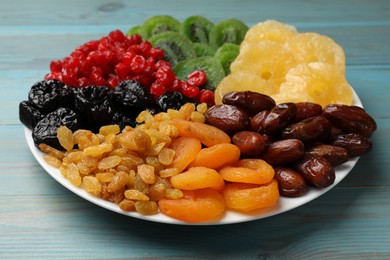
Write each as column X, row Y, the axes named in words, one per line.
column 316, row 82
column 270, row 30
column 314, row 47
column 269, row 60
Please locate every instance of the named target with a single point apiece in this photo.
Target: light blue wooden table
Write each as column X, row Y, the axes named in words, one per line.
column 40, row 219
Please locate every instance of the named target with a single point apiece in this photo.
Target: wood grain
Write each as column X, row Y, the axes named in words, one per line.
column 40, row 219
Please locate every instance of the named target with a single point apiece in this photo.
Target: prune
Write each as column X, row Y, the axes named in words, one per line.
column 251, row 102
column 334, row 154
column 306, row 110
column 173, row 100
column 29, row 115
column 316, row 170
column 309, row 130
column 356, row 144
column 48, row 95
column 351, row 119
column 228, row 118
column 284, row 151
column 45, row 130
column 250, row 143
column 123, row 119
column 94, row 103
column 290, row 182
column 131, row 95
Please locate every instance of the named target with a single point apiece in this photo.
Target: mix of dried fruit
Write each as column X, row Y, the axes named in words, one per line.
column 191, row 119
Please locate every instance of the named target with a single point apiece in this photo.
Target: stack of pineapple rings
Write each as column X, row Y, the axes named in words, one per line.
column 276, row 60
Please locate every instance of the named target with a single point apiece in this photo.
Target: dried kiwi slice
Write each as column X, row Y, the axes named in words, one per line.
column 226, row 54
column 197, row 28
column 134, row 30
column 231, row 31
column 176, row 46
column 210, row 65
column 158, row 24
column 203, row 49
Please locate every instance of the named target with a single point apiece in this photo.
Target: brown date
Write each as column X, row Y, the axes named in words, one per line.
column 283, row 151
column 355, row 144
column 334, row 154
column 306, row 110
column 257, row 121
column 309, row 130
column 316, row 170
column 351, row 119
column 291, row 183
column 251, row 102
column 280, row 116
column 228, row 118
column 250, row 143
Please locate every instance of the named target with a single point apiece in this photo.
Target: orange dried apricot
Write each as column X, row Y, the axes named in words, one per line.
column 206, row 134
column 198, row 178
column 216, row 156
column 195, row 206
column 247, row 197
column 186, row 150
column 254, row 171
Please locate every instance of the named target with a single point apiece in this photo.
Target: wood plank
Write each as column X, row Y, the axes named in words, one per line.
column 329, row 226
column 100, row 12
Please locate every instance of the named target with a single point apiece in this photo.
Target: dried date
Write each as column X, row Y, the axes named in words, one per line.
column 355, row 144
column 284, row 151
column 291, row 183
column 250, row 143
column 251, row 102
column 309, row 130
column 228, row 118
column 351, row 119
column 316, row 170
column 334, row 154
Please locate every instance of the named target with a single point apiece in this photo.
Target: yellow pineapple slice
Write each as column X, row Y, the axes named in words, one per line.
column 314, row 47
column 269, row 60
column 317, row 82
column 241, row 81
column 269, row 30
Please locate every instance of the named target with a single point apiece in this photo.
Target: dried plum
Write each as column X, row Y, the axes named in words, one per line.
column 94, row 104
column 45, row 130
column 29, row 115
column 131, row 95
column 172, row 99
column 48, row 95
column 123, row 119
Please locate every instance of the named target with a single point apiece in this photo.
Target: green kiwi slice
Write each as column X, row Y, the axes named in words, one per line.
column 203, row 49
column 176, row 46
column 210, row 65
column 226, row 54
column 197, row 28
column 134, row 30
column 158, row 24
column 231, row 31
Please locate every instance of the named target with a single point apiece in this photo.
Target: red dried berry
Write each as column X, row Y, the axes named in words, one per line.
column 206, row 96
column 165, row 76
column 197, row 78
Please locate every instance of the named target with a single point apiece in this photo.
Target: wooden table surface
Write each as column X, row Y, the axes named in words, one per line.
column 40, row 219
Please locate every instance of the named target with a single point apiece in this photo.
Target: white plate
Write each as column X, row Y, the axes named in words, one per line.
column 284, row 204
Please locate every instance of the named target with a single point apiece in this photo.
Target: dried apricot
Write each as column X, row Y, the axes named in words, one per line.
column 186, row 149
column 216, row 156
column 198, row 178
column 247, row 197
column 254, row 171
column 206, row 134
column 195, row 206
